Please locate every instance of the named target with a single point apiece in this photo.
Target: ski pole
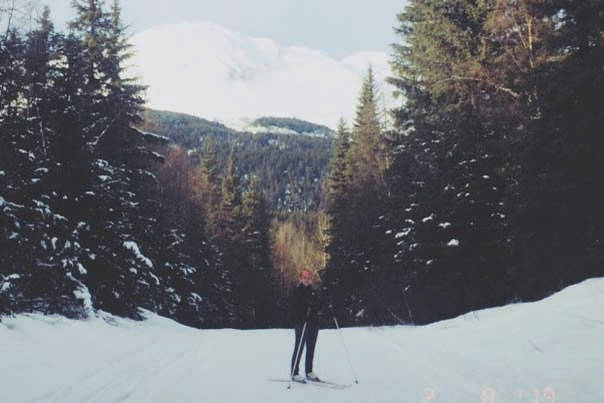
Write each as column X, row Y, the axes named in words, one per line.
column 356, row 380
column 298, row 351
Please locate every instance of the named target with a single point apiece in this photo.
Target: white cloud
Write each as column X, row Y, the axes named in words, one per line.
column 206, row 70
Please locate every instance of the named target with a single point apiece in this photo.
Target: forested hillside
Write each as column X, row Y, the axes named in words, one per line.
column 289, row 167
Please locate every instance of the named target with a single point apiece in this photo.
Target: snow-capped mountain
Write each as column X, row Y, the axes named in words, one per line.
column 206, row 70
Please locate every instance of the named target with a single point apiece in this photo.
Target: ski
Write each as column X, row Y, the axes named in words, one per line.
column 322, row 384
column 328, row 384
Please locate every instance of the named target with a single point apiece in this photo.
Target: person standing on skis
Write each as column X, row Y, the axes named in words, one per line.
column 305, row 306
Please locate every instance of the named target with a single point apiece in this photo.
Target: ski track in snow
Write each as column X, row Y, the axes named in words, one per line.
column 546, row 351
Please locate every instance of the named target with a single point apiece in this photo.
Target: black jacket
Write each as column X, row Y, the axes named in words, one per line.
column 304, row 302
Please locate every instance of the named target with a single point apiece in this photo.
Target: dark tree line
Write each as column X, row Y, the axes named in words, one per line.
column 493, row 185
column 488, row 189
column 87, row 219
column 96, row 213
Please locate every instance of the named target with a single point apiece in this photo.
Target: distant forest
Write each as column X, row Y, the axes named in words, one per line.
column 289, row 168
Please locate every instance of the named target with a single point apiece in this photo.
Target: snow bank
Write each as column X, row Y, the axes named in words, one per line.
column 547, row 351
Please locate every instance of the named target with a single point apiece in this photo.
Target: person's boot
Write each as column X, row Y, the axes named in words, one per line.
column 311, row 376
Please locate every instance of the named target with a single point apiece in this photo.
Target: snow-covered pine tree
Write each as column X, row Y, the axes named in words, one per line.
column 481, row 83
column 80, row 205
column 446, row 182
column 41, row 269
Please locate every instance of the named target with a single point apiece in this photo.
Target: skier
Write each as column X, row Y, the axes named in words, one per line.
column 305, row 305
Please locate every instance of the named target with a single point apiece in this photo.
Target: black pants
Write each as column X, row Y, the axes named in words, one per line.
column 310, row 339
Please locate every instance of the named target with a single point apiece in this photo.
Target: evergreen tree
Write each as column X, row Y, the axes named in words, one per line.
column 337, row 180
column 230, row 235
column 356, row 199
column 258, row 293
column 99, row 240
column 474, row 151
column 446, row 176
column 367, row 159
column 209, row 190
column 230, row 206
column 556, row 150
column 338, row 218
column 40, row 45
column 122, row 98
column 41, row 270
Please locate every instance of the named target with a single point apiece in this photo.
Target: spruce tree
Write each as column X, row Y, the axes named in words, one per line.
column 230, row 235
column 42, row 268
column 446, row 176
column 355, row 202
column 120, row 273
column 367, row 158
column 257, row 295
column 337, row 179
column 230, row 205
column 209, row 190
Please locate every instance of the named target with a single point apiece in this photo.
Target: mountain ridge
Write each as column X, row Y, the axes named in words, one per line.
column 204, row 69
column 263, row 124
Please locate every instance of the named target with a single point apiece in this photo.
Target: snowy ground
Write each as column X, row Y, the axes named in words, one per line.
column 548, row 351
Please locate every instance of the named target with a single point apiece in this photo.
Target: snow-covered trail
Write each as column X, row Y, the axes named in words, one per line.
column 548, row 351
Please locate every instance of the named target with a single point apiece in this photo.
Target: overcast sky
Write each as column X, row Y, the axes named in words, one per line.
column 339, row 27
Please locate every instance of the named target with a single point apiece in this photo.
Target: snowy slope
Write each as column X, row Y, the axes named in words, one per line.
column 206, row 70
column 548, row 351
